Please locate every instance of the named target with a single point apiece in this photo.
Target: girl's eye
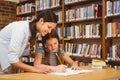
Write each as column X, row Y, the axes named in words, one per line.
column 55, row 43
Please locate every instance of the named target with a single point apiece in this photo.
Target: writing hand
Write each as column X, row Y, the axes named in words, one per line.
column 60, row 68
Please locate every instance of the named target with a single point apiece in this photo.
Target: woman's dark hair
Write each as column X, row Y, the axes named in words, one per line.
column 48, row 16
column 53, row 34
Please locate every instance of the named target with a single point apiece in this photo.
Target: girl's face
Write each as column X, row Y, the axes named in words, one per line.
column 45, row 27
column 52, row 44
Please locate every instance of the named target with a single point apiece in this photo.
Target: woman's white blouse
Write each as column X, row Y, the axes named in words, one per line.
column 13, row 41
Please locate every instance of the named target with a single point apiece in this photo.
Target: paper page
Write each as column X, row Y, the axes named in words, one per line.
column 69, row 71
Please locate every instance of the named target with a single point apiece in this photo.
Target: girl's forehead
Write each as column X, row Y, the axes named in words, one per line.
column 52, row 39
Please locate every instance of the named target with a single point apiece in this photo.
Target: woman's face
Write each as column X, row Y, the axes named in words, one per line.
column 45, row 27
column 52, row 44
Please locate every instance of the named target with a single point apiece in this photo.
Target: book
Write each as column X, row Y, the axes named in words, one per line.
column 98, row 63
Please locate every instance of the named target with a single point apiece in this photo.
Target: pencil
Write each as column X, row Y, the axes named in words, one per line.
column 58, row 58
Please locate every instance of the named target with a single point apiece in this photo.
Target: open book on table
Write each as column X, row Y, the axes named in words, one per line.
column 69, row 71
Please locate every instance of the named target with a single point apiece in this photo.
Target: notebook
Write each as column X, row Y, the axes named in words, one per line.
column 69, row 71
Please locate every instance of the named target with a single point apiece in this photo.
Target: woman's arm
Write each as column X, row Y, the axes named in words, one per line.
column 74, row 64
column 38, row 60
column 29, row 68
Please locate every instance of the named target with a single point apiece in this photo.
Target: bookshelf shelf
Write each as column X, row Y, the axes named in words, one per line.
column 113, row 18
column 91, row 20
column 26, row 14
column 82, row 59
column 114, row 62
column 59, row 23
column 86, row 40
column 113, row 38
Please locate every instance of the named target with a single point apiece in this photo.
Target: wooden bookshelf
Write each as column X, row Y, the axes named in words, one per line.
column 88, row 21
column 113, row 42
column 98, row 20
column 105, row 42
column 114, row 62
column 82, row 59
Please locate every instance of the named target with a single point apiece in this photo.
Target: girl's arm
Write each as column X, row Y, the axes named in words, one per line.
column 74, row 64
column 38, row 60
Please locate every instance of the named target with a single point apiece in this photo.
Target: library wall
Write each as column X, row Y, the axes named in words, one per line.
column 7, row 13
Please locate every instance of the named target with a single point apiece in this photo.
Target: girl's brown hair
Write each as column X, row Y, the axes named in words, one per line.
column 53, row 34
column 48, row 16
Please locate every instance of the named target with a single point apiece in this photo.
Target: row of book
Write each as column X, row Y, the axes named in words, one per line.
column 85, row 12
column 113, row 7
column 86, row 50
column 90, row 11
column 81, row 31
column 72, row 1
column 114, row 52
column 59, row 13
column 22, row 0
column 113, row 29
column 45, row 4
column 26, row 8
column 25, row 18
column 27, row 59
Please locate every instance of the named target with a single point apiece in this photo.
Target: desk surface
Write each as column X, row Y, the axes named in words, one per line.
column 97, row 74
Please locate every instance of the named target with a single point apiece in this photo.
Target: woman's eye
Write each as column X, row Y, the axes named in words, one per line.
column 49, row 27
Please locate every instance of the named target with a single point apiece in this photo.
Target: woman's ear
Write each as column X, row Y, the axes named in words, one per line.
column 41, row 20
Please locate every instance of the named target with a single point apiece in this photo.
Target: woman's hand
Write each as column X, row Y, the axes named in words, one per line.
column 60, row 68
column 75, row 66
column 42, row 69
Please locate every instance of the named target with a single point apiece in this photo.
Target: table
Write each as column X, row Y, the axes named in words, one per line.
column 97, row 74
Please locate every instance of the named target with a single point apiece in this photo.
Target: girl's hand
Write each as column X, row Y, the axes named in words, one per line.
column 60, row 68
column 75, row 66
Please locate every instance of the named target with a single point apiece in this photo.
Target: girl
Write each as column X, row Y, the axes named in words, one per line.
column 20, row 37
column 53, row 55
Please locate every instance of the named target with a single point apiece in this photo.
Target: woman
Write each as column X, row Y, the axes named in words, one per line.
column 19, row 35
column 53, row 56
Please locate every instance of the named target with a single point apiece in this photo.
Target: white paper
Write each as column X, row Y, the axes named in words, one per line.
column 69, row 71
